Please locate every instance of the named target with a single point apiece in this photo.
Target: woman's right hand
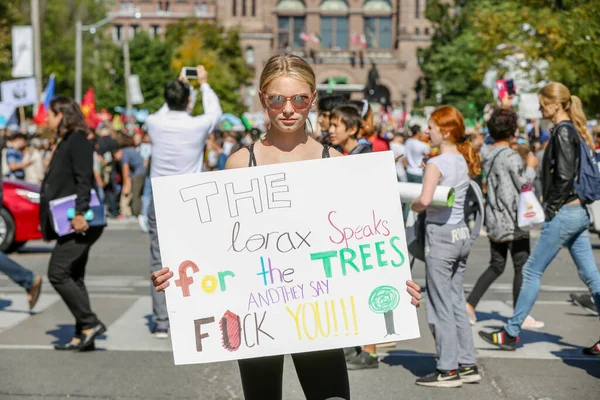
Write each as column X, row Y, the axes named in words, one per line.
column 160, row 279
column 532, row 161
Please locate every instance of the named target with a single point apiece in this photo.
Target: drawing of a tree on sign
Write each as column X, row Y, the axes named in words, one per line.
column 383, row 300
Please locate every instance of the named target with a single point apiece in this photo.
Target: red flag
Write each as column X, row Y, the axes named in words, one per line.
column 40, row 116
column 88, row 107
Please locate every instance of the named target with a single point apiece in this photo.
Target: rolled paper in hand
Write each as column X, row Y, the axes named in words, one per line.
column 443, row 195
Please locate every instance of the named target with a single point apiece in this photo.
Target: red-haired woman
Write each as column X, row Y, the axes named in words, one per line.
column 445, row 264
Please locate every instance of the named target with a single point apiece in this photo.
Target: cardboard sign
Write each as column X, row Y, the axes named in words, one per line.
column 284, row 258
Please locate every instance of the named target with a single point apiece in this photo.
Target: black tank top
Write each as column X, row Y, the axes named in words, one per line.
column 252, row 158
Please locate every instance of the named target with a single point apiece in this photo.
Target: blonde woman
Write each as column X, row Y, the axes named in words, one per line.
column 567, row 219
column 287, row 92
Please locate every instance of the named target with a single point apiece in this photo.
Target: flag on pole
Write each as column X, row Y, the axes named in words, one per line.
column 48, row 95
column 88, row 107
column 316, row 39
column 363, row 40
column 305, row 37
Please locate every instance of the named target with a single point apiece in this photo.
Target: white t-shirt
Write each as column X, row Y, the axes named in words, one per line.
column 455, row 174
column 399, row 151
column 415, row 151
column 178, row 139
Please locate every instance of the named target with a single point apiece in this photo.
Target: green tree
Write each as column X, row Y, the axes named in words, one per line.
column 150, row 60
column 453, row 66
column 9, row 17
column 221, row 54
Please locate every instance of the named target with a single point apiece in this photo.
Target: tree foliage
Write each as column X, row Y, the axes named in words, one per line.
column 9, row 17
column 476, row 36
column 221, row 54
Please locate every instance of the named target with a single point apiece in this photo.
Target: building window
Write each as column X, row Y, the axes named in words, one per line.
column 417, row 9
column 234, row 8
column 427, row 31
column 117, row 32
column 133, row 29
column 154, row 31
column 289, row 30
column 334, row 32
column 201, row 8
column 126, row 5
column 163, row 5
column 254, row 8
column 378, row 32
column 250, row 55
column 243, row 8
column 417, row 31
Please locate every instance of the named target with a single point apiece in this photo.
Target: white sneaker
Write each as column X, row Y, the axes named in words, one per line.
column 160, row 334
column 531, row 323
column 143, row 221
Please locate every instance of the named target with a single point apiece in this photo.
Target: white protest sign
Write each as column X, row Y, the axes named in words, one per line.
column 529, row 106
column 135, row 90
column 19, row 92
column 22, row 51
column 284, row 258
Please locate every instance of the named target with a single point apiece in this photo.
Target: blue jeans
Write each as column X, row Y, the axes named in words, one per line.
column 146, row 196
column 21, row 276
column 569, row 228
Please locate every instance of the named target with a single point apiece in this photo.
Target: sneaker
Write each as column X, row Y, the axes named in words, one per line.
column 584, row 301
column 469, row 374
column 593, row 351
column 33, row 294
column 160, row 333
column 143, row 221
column 500, row 339
column 351, row 352
column 442, row 379
column 471, row 314
column 363, row 360
column 531, row 323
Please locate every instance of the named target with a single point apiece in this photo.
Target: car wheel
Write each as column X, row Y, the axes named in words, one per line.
column 7, row 230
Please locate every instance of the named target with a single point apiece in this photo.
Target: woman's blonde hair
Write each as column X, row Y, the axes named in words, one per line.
column 449, row 120
column 290, row 65
column 556, row 92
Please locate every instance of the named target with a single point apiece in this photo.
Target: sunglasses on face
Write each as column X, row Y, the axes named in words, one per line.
column 278, row 102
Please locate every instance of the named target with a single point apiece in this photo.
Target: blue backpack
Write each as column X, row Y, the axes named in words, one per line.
column 587, row 183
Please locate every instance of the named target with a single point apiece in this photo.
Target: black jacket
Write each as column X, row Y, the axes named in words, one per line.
column 362, row 148
column 559, row 168
column 71, row 171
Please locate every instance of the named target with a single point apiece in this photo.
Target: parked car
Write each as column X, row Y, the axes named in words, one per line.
column 19, row 215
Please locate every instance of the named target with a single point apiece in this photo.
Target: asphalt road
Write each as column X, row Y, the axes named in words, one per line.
column 133, row 365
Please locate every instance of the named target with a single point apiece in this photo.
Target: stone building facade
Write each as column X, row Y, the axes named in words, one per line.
column 342, row 39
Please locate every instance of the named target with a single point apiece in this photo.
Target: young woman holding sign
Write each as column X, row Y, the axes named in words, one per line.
column 287, row 92
column 445, row 267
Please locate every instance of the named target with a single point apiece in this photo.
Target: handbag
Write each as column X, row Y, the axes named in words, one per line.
column 530, row 213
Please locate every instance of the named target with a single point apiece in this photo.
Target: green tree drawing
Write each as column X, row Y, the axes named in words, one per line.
column 384, row 300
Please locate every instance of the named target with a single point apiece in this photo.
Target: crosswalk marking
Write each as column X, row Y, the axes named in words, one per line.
column 129, row 329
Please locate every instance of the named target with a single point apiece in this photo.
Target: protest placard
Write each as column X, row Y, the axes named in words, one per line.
column 284, row 258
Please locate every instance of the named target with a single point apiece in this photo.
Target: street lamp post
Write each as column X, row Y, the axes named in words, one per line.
column 79, row 29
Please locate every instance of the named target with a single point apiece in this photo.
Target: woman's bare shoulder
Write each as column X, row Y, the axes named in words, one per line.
column 239, row 159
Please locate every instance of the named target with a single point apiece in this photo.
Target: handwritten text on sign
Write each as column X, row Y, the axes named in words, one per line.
column 284, row 258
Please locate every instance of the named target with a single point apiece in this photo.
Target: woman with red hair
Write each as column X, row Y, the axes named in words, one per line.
column 445, row 265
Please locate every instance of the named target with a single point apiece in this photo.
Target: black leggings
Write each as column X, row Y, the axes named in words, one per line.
column 519, row 252
column 322, row 374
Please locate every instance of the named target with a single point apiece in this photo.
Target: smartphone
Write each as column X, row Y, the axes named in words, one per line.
column 501, row 86
column 510, row 87
column 190, row 72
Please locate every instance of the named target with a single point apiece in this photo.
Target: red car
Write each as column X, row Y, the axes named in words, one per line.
column 19, row 215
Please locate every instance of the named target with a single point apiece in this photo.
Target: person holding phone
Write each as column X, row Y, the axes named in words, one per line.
column 178, row 140
column 288, row 92
column 71, row 172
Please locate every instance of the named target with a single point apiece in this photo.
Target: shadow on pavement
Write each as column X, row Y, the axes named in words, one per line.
column 65, row 333
column 591, row 365
column 494, row 316
column 35, row 250
column 419, row 364
column 4, row 304
column 149, row 323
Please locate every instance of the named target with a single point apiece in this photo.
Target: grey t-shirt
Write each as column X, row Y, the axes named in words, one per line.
column 455, row 174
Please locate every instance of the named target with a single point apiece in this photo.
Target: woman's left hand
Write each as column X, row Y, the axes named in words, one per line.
column 415, row 292
column 79, row 224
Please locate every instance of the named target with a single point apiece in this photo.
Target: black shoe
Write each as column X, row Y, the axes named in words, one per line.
column 593, row 351
column 442, row 379
column 350, row 353
column 75, row 346
column 88, row 340
column 585, row 301
column 363, row 360
column 469, row 374
column 501, row 339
